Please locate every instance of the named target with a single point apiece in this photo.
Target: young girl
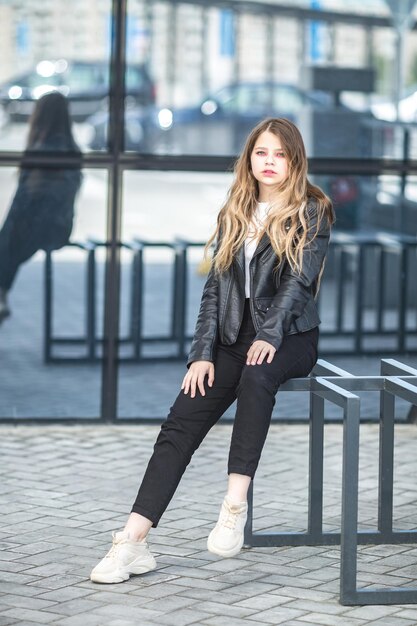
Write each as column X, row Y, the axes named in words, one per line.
column 257, row 327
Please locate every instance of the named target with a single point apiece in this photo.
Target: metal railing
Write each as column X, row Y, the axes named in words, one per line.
column 367, row 296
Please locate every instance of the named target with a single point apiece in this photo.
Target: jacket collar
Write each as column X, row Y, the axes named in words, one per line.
column 262, row 244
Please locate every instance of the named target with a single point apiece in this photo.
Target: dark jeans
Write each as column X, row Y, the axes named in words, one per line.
column 190, row 419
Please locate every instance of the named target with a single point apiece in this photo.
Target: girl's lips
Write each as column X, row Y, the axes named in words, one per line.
column 269, row 172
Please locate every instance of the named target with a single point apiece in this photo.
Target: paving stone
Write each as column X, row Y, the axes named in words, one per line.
column 56, row 582
column 171, row 604
column 392, row 621
column 91, row 619
column 7, row 621
column 308, row 594
column 126, row 612
column 277, row 615
column 231, row 610
column 22, row 601
column 38, row 617
column 408, row 612
column 63, row 594
column 219, row 620
column 76, row 606
column 25, row 623
column 331, row 620
column 221, row 598
column 373, row 612
column 309, row 606
column 160, row 591
column 262, row 602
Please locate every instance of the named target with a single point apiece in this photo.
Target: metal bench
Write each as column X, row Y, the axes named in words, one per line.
column 330, row 383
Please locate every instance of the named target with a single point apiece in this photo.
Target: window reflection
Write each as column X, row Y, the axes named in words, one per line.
column 42, row 211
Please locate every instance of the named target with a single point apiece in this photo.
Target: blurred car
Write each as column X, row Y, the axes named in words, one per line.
column 217, row 125
column 85, row 83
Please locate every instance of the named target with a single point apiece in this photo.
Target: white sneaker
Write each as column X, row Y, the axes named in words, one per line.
column 226, row 538
column 124, row 558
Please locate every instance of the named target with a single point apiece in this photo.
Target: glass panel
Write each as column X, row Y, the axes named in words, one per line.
column 372, row 203
column 216, row 73
column 158, row 208
column 51, row 318
column 53, row 48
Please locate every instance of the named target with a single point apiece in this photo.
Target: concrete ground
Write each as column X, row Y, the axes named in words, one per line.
column 65, row 488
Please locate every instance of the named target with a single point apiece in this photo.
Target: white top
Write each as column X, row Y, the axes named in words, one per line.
column 251, row 241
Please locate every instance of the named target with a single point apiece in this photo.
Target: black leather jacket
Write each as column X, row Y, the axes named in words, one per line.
column 281, row 302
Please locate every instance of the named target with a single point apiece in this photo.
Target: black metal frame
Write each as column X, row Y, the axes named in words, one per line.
column 115, row 161
column 328, row 382
column 341, row 246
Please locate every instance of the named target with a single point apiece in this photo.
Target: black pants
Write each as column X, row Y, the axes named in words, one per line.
column 21, row 238
column 190, row 419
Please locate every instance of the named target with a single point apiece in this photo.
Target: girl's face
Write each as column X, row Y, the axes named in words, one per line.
column 269, row 164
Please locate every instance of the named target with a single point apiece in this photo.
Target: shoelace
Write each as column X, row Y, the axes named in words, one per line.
column 228, row 518
column 115, row 548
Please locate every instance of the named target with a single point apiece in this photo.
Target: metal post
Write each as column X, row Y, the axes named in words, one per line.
column 386, row 463
column 403, row 179
column 402, row 310
column 359, row 298
column 112, row 277
column 180, row 296
column 340, row 274
column 47, row 340
column 315, row 487
column 381, row 287
column 349, row 523
column 91, row 304
column 139, row 290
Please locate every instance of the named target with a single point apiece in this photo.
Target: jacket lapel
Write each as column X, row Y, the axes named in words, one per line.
column 240, row 258
column 240, row 254
column 262, row 244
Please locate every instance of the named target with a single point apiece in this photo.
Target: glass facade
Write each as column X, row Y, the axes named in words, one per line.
column 47, row 292
column 119, row 125
column 54, row 75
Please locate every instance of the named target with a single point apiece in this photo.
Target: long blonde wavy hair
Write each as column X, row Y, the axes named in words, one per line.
column 287, row 222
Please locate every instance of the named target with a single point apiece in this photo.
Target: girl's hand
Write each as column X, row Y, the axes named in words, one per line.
column 196, row 375
column 258, row 351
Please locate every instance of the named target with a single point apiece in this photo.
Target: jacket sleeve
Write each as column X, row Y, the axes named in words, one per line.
column 206, row 330
column 295, row 289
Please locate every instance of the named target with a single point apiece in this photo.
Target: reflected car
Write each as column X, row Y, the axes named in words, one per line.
column 85, row 83
column 407, row 109
column 219, row 124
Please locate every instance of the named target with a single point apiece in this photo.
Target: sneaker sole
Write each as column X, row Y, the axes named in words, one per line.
column 224, row 553
column 120, row 575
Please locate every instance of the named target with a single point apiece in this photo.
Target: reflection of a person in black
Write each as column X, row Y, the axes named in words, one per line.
column 42, row 211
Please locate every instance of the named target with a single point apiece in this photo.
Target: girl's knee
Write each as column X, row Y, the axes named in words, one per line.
column 256, row 377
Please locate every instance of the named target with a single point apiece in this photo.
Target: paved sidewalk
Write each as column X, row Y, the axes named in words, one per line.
column 65, row 488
